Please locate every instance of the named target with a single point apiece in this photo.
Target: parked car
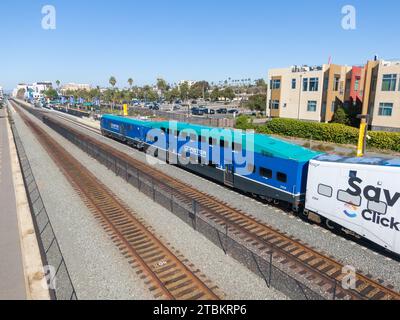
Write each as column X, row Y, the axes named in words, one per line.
column 233, row 111
column 197, row 111
column 176, row 107
column 222, row 111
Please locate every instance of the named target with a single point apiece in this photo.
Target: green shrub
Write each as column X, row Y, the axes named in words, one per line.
column 327, row 132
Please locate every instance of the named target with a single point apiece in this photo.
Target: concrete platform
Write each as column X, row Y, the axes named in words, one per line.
column 12, row 278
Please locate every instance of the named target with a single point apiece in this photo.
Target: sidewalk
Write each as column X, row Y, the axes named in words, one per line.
column 12, row 278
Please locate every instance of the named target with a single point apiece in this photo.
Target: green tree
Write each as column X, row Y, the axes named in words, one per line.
column 228, row 93
column 112, row 81
column 340, row 116
column 162, row 85
column 130, row 82
column 198, row 90
column 184, row 90
column 173, row 94
column 58, row 82
column 256, row 102
column 51, row 94
column 215, row 94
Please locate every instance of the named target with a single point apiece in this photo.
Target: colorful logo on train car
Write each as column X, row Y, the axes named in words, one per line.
column 350, row 211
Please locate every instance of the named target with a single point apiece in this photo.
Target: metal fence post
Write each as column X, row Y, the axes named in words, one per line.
column 270, row 269
column 194, row 204
column 334, row 290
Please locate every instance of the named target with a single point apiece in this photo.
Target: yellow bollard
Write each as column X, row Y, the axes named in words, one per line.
column 361, row 139
column 125, row 110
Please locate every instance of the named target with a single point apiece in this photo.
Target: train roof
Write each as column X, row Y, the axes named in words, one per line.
column 376, row 161
column 262, row 143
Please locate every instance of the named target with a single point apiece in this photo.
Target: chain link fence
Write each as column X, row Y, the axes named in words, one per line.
column 180, row 117
column 56, row 272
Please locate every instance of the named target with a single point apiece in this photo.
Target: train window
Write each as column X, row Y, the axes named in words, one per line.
column 202, row 139
column 266, row 173
column 193, row 137
column 348, row 198
column 237, row 147
column 325, row 190
column 281, row 177
column 213, row 141
column 379, row 207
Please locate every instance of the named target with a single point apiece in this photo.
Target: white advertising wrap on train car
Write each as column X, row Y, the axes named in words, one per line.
column 362, row 198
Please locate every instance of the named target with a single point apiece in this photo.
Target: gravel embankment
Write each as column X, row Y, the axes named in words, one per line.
column 235, row 280
column 345, row 251
column 96, row 267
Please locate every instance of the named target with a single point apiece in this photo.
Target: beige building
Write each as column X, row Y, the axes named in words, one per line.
column 306, row 93
column 382, row 95
column 74, row 87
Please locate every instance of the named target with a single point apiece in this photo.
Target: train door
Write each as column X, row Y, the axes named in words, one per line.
column 229, row 175
column 123, row 130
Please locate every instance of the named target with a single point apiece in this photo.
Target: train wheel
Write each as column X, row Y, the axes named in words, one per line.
column 329, row 224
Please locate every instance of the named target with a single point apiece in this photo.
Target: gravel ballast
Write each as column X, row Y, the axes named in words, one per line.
column 235, row 280
column 96, row 267
column 345, row 251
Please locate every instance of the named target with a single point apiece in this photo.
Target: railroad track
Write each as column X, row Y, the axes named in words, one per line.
column 168, row 275
column 318, row 268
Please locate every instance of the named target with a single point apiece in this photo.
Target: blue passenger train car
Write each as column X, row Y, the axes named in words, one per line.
column 261, row 165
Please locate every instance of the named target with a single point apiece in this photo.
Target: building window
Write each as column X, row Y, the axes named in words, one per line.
column 293, row 83
column 314, row 84
column 385, row 109
column 333, row 107
column 275, row 84
column 336, row 82
column 389, row 82
column 275, row 104
column 357, row 84
column 312, row 106
column 305, row 84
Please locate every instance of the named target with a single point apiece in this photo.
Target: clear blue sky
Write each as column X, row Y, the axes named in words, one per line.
column 187, row 39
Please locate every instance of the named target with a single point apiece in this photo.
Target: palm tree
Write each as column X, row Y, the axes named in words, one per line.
column 113, row 82
column 130, row 82
column 58, row 83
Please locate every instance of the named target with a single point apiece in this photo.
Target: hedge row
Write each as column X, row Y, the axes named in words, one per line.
column 328, row 132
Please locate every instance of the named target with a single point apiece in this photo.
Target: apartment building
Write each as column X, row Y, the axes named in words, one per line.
column 307, row 93
column 382, row 95
column 74, row 87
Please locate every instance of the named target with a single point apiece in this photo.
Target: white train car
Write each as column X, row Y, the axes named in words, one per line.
column 360, row 194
